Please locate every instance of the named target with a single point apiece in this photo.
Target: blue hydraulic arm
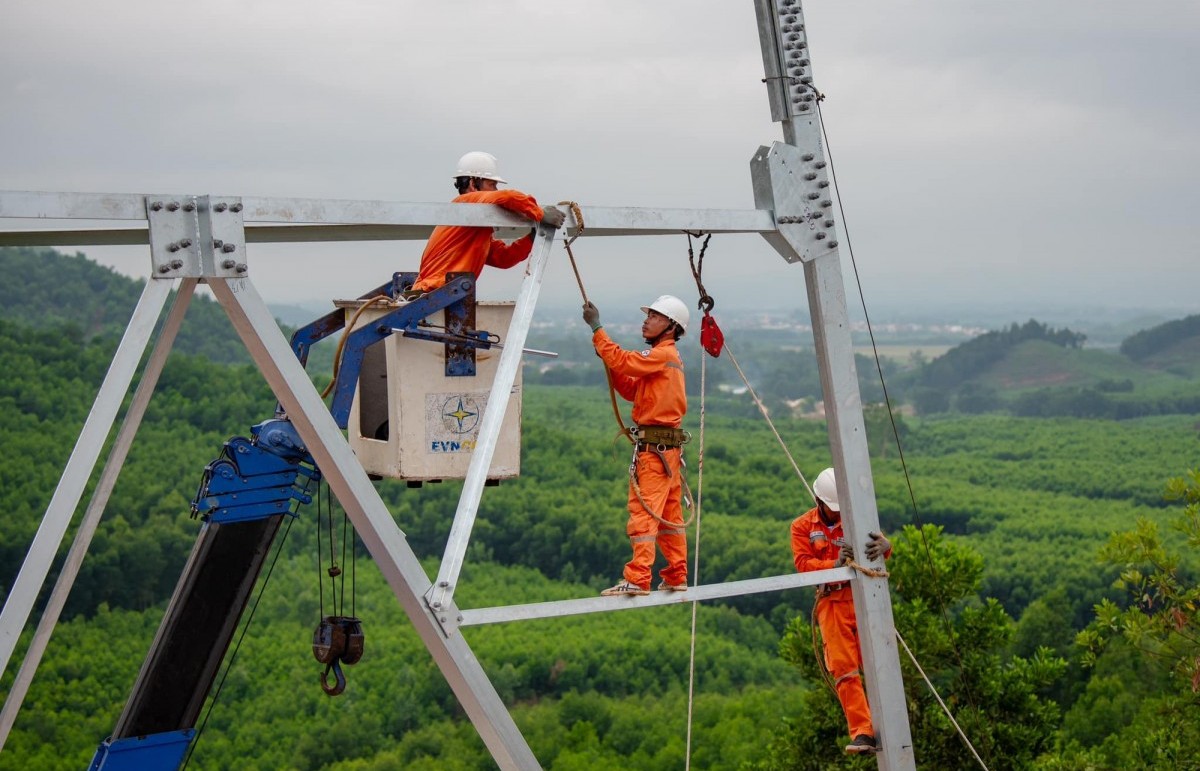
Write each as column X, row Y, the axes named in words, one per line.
column 242, row 499
column 255, row 478
column 456, row 297
column 314, row 332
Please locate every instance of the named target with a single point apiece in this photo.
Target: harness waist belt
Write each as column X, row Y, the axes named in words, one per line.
column 663, row 436
column 830, row 588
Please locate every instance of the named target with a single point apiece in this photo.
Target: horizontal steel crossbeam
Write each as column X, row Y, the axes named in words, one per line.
column 296, row 220
column 505, row 613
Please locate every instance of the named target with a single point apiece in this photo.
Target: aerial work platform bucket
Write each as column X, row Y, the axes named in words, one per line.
column 410, row 420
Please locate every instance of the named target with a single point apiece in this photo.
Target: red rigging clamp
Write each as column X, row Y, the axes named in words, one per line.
column 711, row 338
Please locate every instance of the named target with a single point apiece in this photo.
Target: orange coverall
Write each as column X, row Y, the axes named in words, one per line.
column 653, row 381
column 815, row 546
column 462, row 248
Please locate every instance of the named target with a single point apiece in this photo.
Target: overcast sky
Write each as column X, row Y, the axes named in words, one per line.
column 1027, row 152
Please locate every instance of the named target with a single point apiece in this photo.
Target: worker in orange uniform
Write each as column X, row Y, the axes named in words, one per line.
column 653, row 380
column 466, row 248
column 818, row 544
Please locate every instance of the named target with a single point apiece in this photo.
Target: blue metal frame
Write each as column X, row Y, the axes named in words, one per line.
column 406, row 319
column 158, row 752
column 456, row 297
column 315, row 331
column 257, row 478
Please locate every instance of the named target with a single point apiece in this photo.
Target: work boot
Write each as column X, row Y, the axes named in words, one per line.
column 663, row 586
column 862, row 743
column 626, row 588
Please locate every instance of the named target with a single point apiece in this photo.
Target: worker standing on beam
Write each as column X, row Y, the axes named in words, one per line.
column 463, row 248
column 818, row 544
column 653, row 380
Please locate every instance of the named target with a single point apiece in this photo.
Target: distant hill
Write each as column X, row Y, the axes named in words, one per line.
column 1173, row 346
column 53, row 288
column 978, row 356
column 56, row 289
column 1036, row 371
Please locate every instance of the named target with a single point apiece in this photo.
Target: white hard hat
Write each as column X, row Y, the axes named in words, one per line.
column 825, row 488
column 671, row 307
column 478, row 164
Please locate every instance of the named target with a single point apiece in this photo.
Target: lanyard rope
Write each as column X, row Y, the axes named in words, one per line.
column 612, row 391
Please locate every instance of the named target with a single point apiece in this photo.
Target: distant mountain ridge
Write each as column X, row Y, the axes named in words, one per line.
column 1033, row 370
column 74, row 291
column 1026, row 369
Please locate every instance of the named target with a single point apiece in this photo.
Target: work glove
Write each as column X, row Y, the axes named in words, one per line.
column 845, row 555
column 552, row 217
column 877, row 545
column 591, row 315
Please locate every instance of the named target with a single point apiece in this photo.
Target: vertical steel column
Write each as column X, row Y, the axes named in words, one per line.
column 95, row 510
column 856, row 491
column 793, row 181
column 441, row 594
column 80, row 466
column 372, row 520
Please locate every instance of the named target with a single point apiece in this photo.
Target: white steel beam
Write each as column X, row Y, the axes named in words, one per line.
column 91, row 519
column 80, row 466
column 856, row 491
column 287, row 220
column 792, row 180
column 441, row 594
column 558, row 609
column 372, row 520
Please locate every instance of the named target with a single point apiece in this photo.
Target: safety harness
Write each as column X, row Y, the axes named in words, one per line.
column 653, row 439
column 659, row 440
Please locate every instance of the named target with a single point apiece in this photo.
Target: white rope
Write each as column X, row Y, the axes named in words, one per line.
column 687, row 763
column 762, row 408
column 939, row 700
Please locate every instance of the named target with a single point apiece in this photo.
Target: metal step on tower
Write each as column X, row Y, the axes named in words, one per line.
column 202, row 238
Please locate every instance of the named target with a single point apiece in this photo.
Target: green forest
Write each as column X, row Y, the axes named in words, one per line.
column 1045, row 572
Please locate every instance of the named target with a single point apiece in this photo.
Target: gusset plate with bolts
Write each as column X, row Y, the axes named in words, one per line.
column 794, row 183
column 196, row 236
column 174, row 235
column 228, row 238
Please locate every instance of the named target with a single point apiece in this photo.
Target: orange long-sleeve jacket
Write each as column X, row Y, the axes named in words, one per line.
column 462, row 248
column 815, row 545
column 652, row 379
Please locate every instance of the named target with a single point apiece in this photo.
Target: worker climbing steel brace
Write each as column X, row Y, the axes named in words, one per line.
column 464, row 248
column 818, row 544
column 653, row 380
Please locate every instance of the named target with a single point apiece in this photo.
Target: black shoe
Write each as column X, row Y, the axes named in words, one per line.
column 862, row 743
